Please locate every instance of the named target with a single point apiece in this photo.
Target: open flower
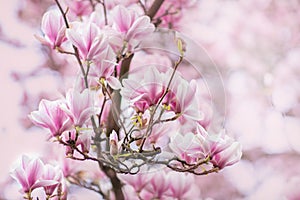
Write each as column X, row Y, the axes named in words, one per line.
column 88, row 39
column 221, row 150
column 29, row 175
column 158, row 185
column 229, row 156
column 79, row 7
column 209, row 144
column 78, row 106
column 53, row 28
column 51, row 116
column 104, row 68
column 51, row 173
column 144, row 91
column 179, row 185
column 130, row 26
column 182, row 144
column 182, row 101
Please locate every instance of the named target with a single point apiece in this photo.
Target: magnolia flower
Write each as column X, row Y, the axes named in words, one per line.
column 208, row 144
column 181, row 145
column 88, row 39
column 158, row 185
column 29, row 175
column 79, row 7
column 229, row 156
column 220, row 148
column 183, row 101
column 78, row 106
column 130, row 26
column 51, row 173
column 179, row 184
column 53, row 27
column 51, row 116
column 137, row 181
column 98, row 17
column 160, row 135
column 104, row 68
column 145, row 92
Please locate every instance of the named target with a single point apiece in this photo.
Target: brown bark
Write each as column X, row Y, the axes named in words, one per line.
column 116, row 183
column 154, row 8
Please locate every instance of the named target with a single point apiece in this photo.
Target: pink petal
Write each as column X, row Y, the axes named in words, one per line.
column 43, row 183
column 122, row 18
column 34, row 171
column 140, row 28
column 114, row 83
column 19, row 175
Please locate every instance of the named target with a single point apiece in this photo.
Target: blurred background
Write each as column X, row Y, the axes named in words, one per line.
column 254, row 43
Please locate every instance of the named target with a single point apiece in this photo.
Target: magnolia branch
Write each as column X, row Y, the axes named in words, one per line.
column 149, row 128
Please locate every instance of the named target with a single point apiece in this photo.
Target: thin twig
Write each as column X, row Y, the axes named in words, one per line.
column 149, row 128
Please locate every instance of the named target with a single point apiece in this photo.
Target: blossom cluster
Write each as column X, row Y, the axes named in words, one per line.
column 122, row 116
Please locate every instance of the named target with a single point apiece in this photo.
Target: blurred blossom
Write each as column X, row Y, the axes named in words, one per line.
column 79, row 8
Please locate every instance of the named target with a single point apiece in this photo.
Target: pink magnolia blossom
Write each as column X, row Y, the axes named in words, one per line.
column 54, row 174
column 97, row 17
column 78, row 106
column 160, row 135
column 88, row 39
column 220, row 148
column 146, row 92
column 79, row 7
column 130, row 26
column 29, row 175
column 209, row 144
column 180, row 145
column 205, row 103
column 229, row 156
column 184, row 102
column 51, row 116
column 158, row 185
column 53, row 27
column 137, row 181
column 145, row 88
column 180, row 185
column 104, row 68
